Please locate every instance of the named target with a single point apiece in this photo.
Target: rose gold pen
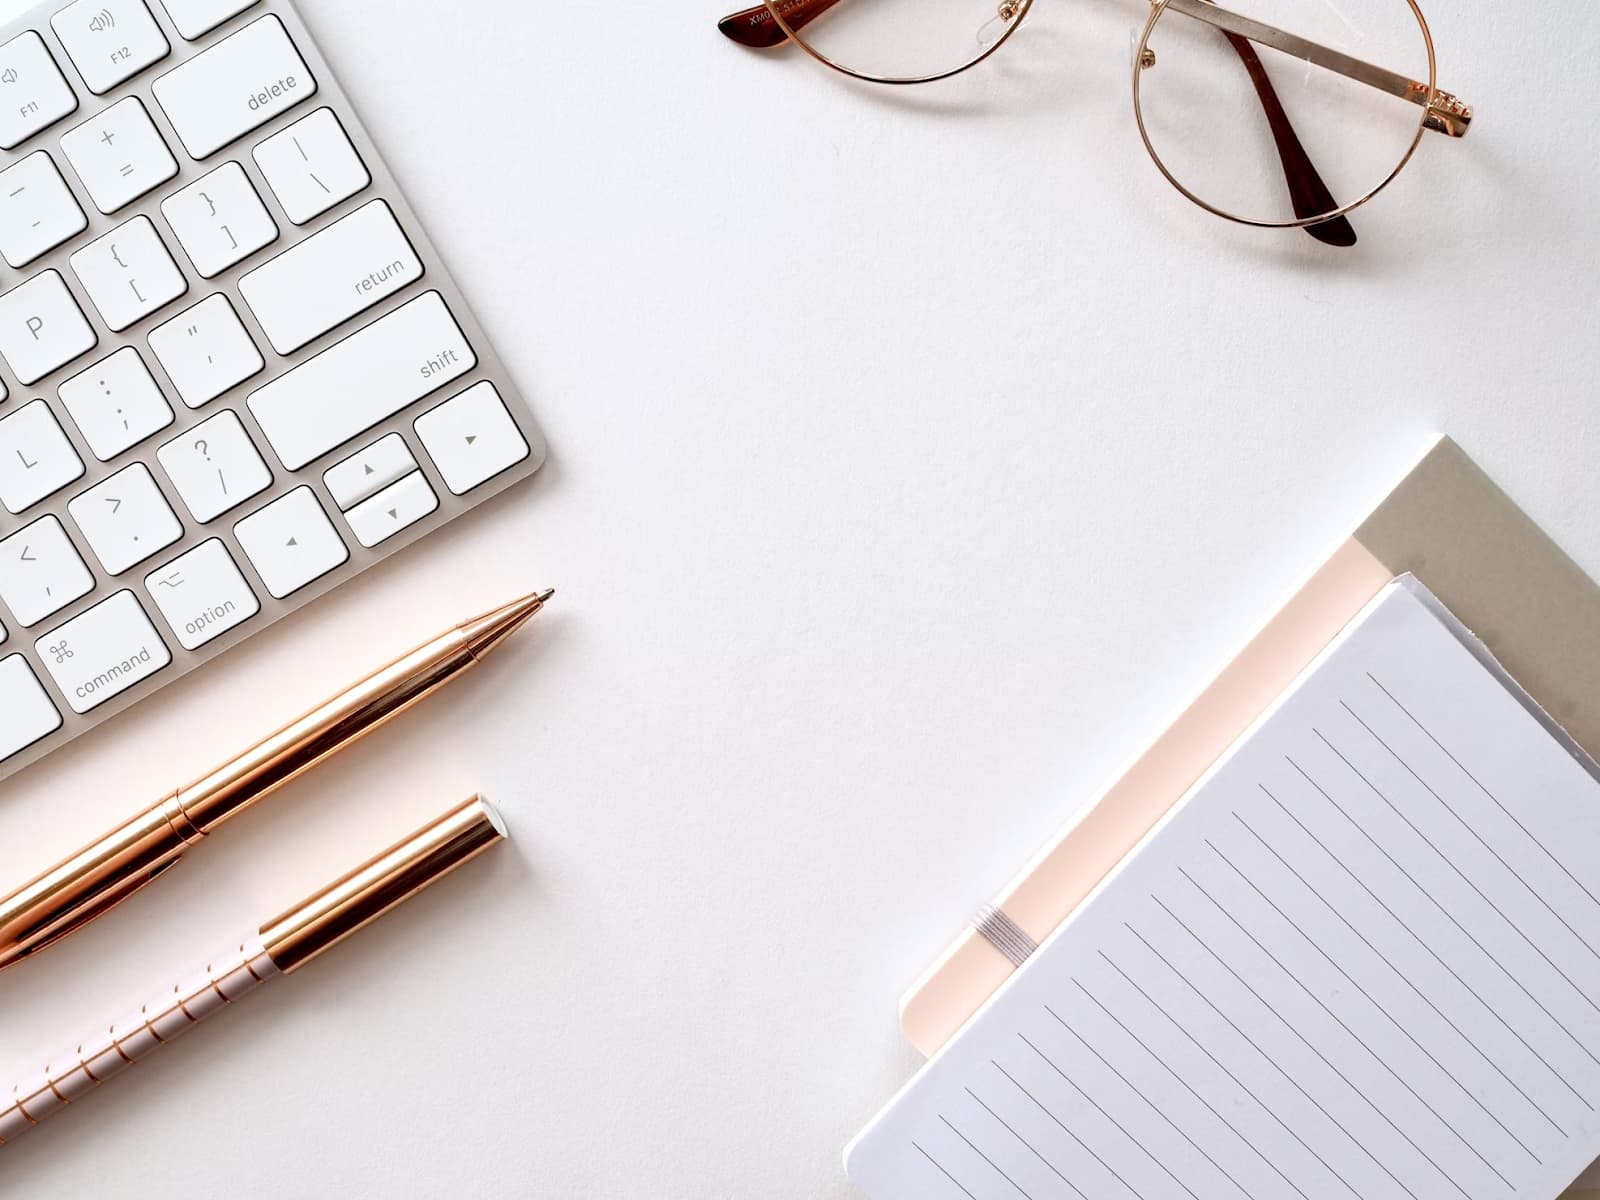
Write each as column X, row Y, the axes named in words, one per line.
column 107, row 872
column 280, row 947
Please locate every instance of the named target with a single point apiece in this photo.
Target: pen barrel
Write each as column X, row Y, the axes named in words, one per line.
column 323, row 731
column 69, row 1077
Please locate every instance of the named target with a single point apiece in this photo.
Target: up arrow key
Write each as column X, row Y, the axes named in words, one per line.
column 292, row 542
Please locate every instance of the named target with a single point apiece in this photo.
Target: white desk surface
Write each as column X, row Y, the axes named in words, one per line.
column 912, row 458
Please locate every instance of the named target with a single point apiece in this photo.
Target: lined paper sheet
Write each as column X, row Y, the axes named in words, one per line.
column 1360, row 959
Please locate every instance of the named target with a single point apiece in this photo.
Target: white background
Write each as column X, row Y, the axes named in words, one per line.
column 913, row 458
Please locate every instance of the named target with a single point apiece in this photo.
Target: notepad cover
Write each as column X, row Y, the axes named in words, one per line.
column 1358, row 958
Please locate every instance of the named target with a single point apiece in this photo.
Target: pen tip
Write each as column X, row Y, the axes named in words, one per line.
column 487, row 632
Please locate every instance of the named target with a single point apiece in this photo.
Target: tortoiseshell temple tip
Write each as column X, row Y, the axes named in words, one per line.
column 1335, row 232
column 754, row 27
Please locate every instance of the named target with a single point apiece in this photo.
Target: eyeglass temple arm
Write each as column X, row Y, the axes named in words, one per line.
column 1445, row 115
column 1308, row 194
column 755, row 26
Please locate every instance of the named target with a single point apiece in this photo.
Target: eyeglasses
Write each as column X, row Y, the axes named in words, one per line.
column 1204, row 76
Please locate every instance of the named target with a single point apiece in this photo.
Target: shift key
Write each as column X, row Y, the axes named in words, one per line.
column 241, row 83
column 364, row 379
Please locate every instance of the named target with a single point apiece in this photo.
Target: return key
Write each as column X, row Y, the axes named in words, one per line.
column 330, row 277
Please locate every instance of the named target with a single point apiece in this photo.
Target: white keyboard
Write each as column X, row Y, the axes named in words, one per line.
column 235, row 371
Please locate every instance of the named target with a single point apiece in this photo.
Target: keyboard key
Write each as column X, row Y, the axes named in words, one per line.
column 119, row 155
column 399, row 505
column 30, row 713
column 311, row 166
column 291, row 542
column 42, row 327
column 36, row 459
column 128, row 273
column 205, row 350
column 109, row 40
column 41, row 571
column 471, row 437
column 369, row 471
column 125, row 519
column 196, row 17
column 116, row 404
column 237, row 85
column 37, row 209
column 102, row 653
column 202, row 594
column 330, row 277
column 215, row 466
column 219, row 220
column 375, row 372
column 33, row 93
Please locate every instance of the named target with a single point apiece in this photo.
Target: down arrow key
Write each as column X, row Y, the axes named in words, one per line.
column 397, row 507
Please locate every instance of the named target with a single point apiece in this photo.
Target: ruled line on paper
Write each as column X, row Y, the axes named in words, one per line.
column 1422, row 943
column 1421, row 995
column 1448, row 915
column 1478, row 837
column 1032, row 1149
column 917, row 1146
column 998, row 1170
column 1271, row 1061
column 1548, row 853
column 1122, row 1129
column 1150, row 1104
column 1237, row 1082
column 1309, row 1045
column 1462, row 875
column 1247, row 1143
column 1086, row 1148
column 1379, row 1008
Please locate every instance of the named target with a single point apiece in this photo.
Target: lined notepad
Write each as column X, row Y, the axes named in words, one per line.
column 1361, row 958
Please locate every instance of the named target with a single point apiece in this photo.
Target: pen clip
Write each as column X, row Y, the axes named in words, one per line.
column 94, row 907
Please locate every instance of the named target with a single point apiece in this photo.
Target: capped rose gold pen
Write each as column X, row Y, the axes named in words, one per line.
column 280, row 947
column 107, row 872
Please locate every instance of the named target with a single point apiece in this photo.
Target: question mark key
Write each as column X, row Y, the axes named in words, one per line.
column 215, row 466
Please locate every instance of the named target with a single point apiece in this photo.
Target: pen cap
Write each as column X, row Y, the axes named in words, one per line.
column 372, row 889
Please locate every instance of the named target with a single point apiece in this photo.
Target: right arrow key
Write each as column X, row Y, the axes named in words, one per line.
column 471, row 437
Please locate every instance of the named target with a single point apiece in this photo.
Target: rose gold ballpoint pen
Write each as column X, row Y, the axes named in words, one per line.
column 108, row 871
column 280, row 947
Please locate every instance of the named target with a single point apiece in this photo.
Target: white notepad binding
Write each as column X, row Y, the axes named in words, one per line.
column 1360, row 959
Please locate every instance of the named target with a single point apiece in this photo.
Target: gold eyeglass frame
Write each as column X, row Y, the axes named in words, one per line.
column 1368, row 74
column 1440, row 111
column 1011, row 12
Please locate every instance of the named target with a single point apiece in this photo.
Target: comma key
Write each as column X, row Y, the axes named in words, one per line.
column 101, row 653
